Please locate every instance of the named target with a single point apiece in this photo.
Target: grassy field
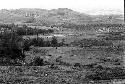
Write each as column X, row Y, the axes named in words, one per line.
column 74, row 55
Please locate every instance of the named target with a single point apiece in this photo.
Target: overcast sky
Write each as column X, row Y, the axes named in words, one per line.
column 77, row 5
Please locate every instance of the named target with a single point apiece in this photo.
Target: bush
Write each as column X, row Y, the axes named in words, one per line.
column 54, row 42
column 77, row 65
column 26, row 45
column 37, row 61
column 106, row 74
column 37, row 42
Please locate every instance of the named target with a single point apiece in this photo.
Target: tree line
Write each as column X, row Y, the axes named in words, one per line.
column 113, row 27
column 40, row 42
column 25, row 30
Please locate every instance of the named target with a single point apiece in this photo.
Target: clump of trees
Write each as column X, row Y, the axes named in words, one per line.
column 54, row 42
column 11, row 45
column 30, row 31
column 42, row 43
column 25, row 30
column 113, row 35
column 92, row 42
column 95, row 26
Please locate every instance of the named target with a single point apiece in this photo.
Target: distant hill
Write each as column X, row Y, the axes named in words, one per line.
column 55, row 17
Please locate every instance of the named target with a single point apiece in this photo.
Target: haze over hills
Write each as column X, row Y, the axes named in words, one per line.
column 105, row 11
column 56, row 17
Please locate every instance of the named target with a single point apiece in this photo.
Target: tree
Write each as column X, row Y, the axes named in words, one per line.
column 47, row 43
column 54, row 42
column 9, row 45
column 26, row 45
column 63, row 42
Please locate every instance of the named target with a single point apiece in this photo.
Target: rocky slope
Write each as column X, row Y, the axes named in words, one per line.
column 55, row 16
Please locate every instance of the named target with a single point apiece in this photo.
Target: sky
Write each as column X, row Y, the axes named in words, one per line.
column 83, row 6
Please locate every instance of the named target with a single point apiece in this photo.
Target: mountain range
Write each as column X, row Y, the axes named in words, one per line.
column 56, row 17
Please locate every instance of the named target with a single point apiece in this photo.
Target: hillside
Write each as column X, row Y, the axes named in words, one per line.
column 55, row 17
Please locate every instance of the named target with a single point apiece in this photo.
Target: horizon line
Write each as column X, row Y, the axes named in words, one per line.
column 87, row 12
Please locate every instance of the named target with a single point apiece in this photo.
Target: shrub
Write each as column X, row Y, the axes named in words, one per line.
column 54, row 42
column 37, row 61
column 106, row 74
column 37, row 42
column 26, row 45
column 77, row 65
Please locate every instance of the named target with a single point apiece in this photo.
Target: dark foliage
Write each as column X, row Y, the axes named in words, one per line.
column 27, row 44
column 41, row 43
column 113, row 36
column 37, row 61
column 92, row 42
column 90, row 27
column 54, row 42
column 77, row 65
column 31, row 31
column 106, row 74
column 10, row 45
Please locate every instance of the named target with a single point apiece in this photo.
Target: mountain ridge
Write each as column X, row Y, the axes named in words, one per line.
column 55, row 16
